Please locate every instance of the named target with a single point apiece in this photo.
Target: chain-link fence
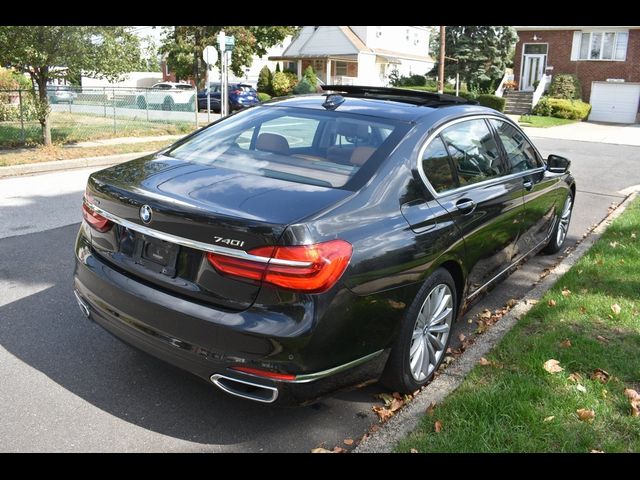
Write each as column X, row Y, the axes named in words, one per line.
column 89, row 113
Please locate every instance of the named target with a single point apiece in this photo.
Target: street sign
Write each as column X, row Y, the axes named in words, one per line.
column 229, row 43
column 210, row 55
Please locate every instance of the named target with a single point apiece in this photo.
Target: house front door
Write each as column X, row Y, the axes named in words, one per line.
column 532, row 71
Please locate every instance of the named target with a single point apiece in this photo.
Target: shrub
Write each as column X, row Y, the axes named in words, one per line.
column 304, row 87
column 265, row 77
column 263, row 97
column 412, row 81
column 283, row 83
column 571, row 109
column 492, row 101
column 310, row 75
column 543, row 107
column 565, row 86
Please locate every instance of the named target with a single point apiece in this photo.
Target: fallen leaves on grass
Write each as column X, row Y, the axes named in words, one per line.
column 430, row 408
column 552, row 366
column 484, row 362
column 566, row 292
column 548, row 419
column 600, row 375
column 551, row 303
column 566, row 343
column 575, row 377
column 586, row 415
column 437, row 427
column 634, row 399
column 613, row 244
column 583, row 310
column 602, row 339
column 615, row 308
column 413, row 450
column 596, row 451
column 581, row 388
column 392, row 403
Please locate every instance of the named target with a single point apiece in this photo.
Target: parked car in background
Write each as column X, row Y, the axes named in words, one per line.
column 317, row 242
column 241, row 95
column 61, row 94
column 168, row 96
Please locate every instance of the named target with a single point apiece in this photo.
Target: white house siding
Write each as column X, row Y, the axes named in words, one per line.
column 411, row 40
column 414, row 67
column 252, row 72
column 368, row 71
column 329, row 39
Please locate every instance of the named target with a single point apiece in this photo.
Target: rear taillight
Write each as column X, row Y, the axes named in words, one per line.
column 95, row 220
column 304, row 268
column 236, row 92
column 265, row 373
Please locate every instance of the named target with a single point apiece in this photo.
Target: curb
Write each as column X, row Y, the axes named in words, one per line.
column 408, row 418
column 31, row 168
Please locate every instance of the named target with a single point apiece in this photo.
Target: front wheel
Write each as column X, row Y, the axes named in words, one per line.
column 559, row 234
column 424, row 335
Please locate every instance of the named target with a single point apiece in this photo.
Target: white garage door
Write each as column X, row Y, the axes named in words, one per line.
column 614, row 102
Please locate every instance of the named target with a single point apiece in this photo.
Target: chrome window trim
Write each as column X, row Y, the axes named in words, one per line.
column 484, row 183
column 207, row 247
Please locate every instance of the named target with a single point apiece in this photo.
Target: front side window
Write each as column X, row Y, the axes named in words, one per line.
column 603, row 45
column 474, row 151
column 520, row 153
column 322, row 148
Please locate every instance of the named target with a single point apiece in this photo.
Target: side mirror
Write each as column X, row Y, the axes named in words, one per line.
column 558, row 164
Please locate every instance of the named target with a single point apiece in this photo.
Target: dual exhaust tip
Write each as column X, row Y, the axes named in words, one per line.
column 245, row 389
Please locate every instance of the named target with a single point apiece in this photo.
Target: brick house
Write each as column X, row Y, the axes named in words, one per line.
column 606, row 60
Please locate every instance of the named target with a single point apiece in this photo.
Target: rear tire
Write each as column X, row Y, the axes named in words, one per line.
column 424, row 335
column 559, row 234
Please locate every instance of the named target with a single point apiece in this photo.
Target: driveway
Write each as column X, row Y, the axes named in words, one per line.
column 613, row 133
column 67, row 385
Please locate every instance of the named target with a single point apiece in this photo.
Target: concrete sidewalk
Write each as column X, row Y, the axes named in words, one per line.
column 124, row 140
column 590, row 132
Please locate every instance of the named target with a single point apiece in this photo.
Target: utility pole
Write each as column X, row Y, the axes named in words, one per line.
column 441, row 69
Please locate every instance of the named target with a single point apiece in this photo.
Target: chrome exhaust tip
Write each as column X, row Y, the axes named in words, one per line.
column 245, row 389
column 82, row 304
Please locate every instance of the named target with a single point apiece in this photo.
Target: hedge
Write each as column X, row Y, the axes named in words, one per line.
column 492, row 101
column 562, row 108
column 263, row 97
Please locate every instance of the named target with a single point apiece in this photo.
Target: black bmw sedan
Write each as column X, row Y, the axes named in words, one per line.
column 316, row 242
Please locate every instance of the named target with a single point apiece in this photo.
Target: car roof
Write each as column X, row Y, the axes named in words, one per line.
column 396, row 109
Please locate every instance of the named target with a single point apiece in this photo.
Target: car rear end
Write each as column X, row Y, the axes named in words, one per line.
column 242, row 96
column 199, row 256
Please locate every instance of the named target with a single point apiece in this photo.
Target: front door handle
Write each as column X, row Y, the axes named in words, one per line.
column 465, row 205
column 528, row 185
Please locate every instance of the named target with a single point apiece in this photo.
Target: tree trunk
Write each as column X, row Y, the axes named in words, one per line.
column 43, row 110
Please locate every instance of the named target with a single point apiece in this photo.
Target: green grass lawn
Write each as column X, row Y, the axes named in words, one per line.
column 73, row 127
column 515, row 405
column 543, row 122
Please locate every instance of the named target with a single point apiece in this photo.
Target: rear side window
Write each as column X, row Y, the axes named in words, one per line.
column 520, row 153
column 474, row 151
column 325, row 148
column 437, row 166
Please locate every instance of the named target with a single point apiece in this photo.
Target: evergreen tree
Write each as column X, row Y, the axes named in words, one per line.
column 310, row 75
column 264, row 80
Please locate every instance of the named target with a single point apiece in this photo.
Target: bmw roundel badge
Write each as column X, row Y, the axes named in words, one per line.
column 145, row 213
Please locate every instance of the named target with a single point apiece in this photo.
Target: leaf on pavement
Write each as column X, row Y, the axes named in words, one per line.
column 437, row 427
column 348, row 441
column 338, row 450
column 532, row 302
column 615, row 308
column 396, row 404
column 485, row 314
column 320, row 450
column 551, row 303
column 575, row 377
column 566, row 292
column 600, row 375
column 548, row 419
column 386, row 398
column 462, row 337
column 484, row 362
column 565, row 343
column 585, row 414
column 552, row 366
column 512, row 302
column 384, row 414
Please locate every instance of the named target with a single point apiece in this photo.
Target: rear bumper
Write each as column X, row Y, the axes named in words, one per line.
column 206, row 341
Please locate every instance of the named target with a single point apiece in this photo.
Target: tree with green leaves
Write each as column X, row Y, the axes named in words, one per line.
column 50, row 52
column 264, row 80
column 183, row 46
column 482, row 52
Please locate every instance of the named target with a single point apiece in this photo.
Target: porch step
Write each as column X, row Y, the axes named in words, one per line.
column 518, row 103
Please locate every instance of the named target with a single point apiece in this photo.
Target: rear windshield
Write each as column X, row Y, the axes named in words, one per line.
column 325, row 148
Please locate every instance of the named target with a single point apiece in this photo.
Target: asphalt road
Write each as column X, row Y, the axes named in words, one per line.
column 67, row 385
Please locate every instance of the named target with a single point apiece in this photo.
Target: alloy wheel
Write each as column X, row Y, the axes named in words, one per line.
column 565, row 218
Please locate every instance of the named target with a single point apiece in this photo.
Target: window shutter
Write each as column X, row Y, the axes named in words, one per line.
column 575, row 46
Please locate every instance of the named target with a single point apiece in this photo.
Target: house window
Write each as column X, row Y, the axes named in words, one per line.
column 318, row 65
column 535, row 48
column 341, row 69
column 603, row 45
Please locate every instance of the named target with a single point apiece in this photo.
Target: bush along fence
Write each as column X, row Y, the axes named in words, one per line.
column 78, row 113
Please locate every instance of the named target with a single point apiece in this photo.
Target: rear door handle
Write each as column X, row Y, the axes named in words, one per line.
column 527, row 184
column 465, row 205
